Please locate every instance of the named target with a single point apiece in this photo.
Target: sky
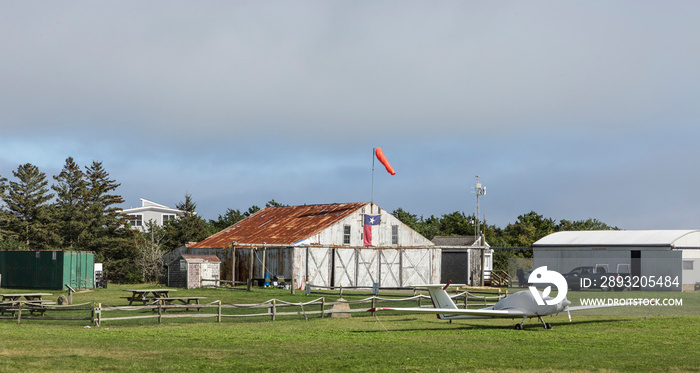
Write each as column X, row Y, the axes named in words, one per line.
column 574, row 110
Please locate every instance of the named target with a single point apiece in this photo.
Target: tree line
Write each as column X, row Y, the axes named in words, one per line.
column 526, row 230
column 79, row 211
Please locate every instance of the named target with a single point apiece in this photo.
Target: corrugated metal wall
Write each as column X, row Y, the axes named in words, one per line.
column 47, row 269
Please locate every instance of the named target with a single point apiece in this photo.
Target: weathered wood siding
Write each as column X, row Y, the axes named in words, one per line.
column 177, row 277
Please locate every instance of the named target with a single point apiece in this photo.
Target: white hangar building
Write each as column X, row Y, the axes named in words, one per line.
column 326, row 246
column 641, row 253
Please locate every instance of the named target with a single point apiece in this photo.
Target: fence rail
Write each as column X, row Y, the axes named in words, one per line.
column 272, row 308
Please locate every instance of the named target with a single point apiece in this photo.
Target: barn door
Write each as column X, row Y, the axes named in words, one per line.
column 390, row 268
column 416, row 267
column 318, row 266
column 344, row 267
column 367, row 267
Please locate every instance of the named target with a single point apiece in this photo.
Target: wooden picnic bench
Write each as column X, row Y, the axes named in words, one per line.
column 147, row 295
column 181, row 300
column 32, row 301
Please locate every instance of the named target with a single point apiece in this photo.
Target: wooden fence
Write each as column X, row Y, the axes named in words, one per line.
column 272, row 308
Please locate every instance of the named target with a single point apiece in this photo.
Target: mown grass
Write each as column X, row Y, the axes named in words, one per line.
column 362, row 343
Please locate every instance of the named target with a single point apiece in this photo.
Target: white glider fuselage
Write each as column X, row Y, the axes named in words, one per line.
column 520, row 304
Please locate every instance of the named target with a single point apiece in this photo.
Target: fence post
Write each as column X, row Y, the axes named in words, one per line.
column 218, row 315
column 250, row 283
column 98, row 314
column 274, row 309
column 19, row 313
column 373, row 299
column 92, row 314
column 323, row 306
column 160, row 313
column 294, row 285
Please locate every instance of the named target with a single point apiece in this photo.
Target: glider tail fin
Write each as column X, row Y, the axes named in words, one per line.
column 441, row 299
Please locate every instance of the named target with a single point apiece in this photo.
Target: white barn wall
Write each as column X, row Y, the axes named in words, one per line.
column 381, row 234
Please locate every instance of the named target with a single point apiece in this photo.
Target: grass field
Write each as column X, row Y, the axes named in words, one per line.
column 361, row 343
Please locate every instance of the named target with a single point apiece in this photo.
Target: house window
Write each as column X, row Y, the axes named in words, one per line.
column 346, row 235
column 688, row 264
column 394, row 234
column 136, row 220
column 168, row 218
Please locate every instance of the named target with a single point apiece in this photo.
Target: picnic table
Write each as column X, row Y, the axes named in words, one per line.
column 146, row 295
column 181, row 300
column 35, row 302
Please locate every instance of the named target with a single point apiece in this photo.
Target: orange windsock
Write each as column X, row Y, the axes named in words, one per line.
column 382, row 158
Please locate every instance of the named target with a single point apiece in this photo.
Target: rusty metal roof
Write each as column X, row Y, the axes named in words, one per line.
column 281, row 225
column 208, row 258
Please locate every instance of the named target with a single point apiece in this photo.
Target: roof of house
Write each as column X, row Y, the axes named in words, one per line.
column 454, row 240
column 281, row 225
column 147, row 205
column 668, row 238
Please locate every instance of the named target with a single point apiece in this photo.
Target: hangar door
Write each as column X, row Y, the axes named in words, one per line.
column 455, row 267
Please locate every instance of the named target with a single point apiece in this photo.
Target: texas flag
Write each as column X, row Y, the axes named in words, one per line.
column 370, row 220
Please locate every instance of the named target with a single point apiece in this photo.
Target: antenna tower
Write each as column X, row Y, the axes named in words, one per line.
column 480, row 192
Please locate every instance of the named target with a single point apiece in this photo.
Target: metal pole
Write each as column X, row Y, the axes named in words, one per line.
column 233, row 264
column 373, row 151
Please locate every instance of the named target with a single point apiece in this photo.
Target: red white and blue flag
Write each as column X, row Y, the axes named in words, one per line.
column 370, row 220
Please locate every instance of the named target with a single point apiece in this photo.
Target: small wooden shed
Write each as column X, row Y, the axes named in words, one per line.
column 192, row 271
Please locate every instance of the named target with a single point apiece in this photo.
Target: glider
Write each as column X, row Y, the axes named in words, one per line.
column 520, row 304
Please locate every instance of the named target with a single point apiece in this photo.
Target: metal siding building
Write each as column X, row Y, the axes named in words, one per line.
column 47, row 269
column 323, row 244
column 641, row 253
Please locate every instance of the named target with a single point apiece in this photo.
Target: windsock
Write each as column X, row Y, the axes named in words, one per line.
column 380, row 156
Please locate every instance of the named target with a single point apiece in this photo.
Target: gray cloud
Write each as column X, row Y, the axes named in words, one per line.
column 239, row 102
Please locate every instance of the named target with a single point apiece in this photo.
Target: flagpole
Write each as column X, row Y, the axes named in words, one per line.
column 372, row 200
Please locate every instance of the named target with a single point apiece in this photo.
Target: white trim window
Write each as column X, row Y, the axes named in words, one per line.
column 346, row 234
column 167, row 218
column 136, row 220
column 394, row 234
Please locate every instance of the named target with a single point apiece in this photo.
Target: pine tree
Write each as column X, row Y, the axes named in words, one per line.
column 71, row 204
column 187, row 228
column 29, row 217
column 4, row 215
column 106, row 233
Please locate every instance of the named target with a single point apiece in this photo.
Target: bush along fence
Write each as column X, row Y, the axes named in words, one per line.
column 272, row 308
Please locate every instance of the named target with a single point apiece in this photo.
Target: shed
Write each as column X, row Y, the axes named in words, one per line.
column 47, row 269
column 325, row 245
column 642, row 253
column 465, row 259
column 192, row 271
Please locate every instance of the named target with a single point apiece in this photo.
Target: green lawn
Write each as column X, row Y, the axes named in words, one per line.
column 362, row 343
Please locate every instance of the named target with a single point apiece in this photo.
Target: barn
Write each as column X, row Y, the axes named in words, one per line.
column 189, row 271
column 647, row 254
column 348, row 244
